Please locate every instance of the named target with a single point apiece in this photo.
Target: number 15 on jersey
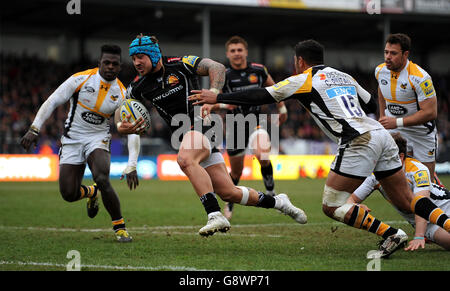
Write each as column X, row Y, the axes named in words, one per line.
column 347, row 99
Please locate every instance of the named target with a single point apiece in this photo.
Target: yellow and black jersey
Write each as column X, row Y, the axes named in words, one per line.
column 418, row 177
column 404, row 90
column 93, row 100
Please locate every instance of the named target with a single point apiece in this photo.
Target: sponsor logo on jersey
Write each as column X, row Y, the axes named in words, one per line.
column 190, row 60
column 431, row 153
column 168, row 93
column 403, row 85
column 337, row 79
column 172, row 80
column 102, row 87
column 258, row 65
column 253, row 78
column 421, row 178
column 322, row 76
column 114, row 97
column 427, row 87
column 280, row 84
column 170, row 60
column 384, row 82
column 92, row 118
column 89, row 89
column 396, row 109
column 339, row 91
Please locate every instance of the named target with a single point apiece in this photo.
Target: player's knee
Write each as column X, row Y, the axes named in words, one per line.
column 334, row 203
column 184, row 161
column 328, row 211
column 70, row 194
column 102, row 180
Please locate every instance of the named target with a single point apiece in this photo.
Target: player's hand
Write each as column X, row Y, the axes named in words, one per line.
column 29, row 140
column 127, row 127
column 415, row 244
column 282, row 117
column 132, row 177
column 206, row 110
column 388, row 122
column 203, row 96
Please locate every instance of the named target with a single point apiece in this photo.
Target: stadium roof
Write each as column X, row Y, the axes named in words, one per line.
column 182, row 22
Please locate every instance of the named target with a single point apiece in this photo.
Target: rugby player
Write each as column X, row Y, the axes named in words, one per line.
column 241, row 75
column 94, row 96
column 418, row 177
column 165, row 82
column 407, row 100
column 338, row 104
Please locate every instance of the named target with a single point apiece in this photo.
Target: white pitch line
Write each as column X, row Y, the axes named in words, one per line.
column 170, row 227
column 131, row 268
column 164, row 229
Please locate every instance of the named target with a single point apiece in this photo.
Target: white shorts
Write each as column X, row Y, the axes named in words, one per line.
column 213, row 159
column 423, row 147
column 76, row 151
column 432, row 228
column 372, row 152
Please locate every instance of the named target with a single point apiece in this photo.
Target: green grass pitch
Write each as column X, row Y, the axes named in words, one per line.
column 39, row 229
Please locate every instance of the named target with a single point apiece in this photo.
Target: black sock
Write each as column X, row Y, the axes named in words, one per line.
column 235, row 180
column 265, row 201
column 210, row 202
column 390, row 231
column 267, row 173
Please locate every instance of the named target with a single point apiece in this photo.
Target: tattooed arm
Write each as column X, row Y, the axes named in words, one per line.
column 215, row 71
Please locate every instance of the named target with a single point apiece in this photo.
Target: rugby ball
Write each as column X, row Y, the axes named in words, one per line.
column 135, row 109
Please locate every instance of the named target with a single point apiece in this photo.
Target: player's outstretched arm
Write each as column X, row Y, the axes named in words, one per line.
column 134, row 145
column 420, row 228
column 254, row 96
column 60, row 96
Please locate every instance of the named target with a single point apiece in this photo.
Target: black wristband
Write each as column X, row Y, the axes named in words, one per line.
column 34, row 130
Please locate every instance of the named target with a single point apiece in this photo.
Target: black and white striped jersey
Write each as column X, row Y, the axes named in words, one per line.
column 332, row 98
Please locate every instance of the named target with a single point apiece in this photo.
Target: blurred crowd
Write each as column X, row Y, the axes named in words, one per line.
column 27, row 81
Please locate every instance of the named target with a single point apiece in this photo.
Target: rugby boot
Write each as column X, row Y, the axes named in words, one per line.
column 93, row 203
column 216, row 222
column 287, row 208
column 122, row 235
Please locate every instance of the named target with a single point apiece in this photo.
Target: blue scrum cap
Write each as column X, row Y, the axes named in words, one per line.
column 145, row 45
